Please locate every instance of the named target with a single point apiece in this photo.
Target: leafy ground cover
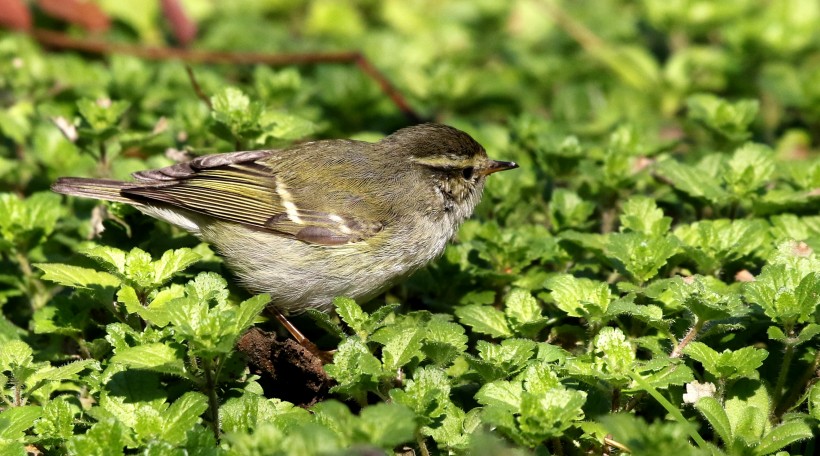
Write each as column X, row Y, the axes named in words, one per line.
column 647, row 282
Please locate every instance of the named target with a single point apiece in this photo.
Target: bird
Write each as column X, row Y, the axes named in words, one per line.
column 320, row 219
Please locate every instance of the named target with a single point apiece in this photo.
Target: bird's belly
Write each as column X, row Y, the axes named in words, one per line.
column 299, row 275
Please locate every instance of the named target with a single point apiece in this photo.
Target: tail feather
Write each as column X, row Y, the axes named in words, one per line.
column 102, row 189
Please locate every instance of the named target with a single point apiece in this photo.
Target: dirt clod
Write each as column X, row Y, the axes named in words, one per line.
column 287, row 370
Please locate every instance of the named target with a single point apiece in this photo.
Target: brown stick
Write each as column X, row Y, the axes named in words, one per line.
column 62, row 41
column 197, row 89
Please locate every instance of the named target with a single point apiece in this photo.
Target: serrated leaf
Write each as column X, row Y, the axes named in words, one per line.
column 386, row 425
column 568, row 210
column 352, row 314
column 641, row 256
column 355, row 369
column 713, row 243
column 401, row 347
column 501, row 393
column 427, row 394
column 104, row 437
column 57, row 420
column 171, row 263
column 675, row 374
column 614, row 353
column 484, row 320
column 749, row 169
column 155, row 357
column 111, row 257
column 64, row 372
column 443, row 341
column 14, row 421
column 75, row 276
column 642, row 215
column 729, row 119
column 550, row 413
column 128, row 296
column 728, row 364
column 524, row 313
column 181, row 416
column 579, row 297
column 693, row 181
column 326, row 322
column 247, row 312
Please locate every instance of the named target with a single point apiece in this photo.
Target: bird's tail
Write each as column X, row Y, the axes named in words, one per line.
column 102, row 189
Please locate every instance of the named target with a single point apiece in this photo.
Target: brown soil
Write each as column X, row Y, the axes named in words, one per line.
column 287, row 370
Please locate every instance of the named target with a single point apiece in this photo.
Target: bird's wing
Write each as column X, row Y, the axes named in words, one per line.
column 241, row 187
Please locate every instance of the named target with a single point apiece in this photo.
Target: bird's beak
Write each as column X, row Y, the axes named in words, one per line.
column 495, row 166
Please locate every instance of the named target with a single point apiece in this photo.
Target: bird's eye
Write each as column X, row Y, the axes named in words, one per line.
column 467, row 173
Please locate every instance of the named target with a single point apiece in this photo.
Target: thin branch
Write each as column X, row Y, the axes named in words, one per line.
column 197, row 88
column 616, row 444
column 689, row 337
column 62, row 41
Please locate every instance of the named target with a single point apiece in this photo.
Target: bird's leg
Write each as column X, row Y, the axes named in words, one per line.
column 325, row 356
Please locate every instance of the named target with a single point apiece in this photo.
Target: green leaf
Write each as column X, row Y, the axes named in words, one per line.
column 783, row 436
column 402, row 345
column 580, row 297
column 14, row 421
column 711, row 409
column 25, row 223
column 741, row 363
column 501, row 393
column 57, row 420
column 102, row 115
column 657, row 438
column 502, row 360
column 613, row 352
column 326, row 322
column 172, row 262
column 484, row 320
column 77, row 277
column 112, row 258
column 568, row 210
column 443, row 341
column 155, row 357
column 182, row 415
column 386, row 425
column 352, row 314
column 427, row 394
column 642, row 215
column 814, row 401
column 524, row 313
column 104, row 437
column 64, row 372
column 640, row 255
column 248, row 311
column 354, row 368
column 728, row 119
column 714, row 243
column 549, row 414
column 749, row 169
column 693, row 181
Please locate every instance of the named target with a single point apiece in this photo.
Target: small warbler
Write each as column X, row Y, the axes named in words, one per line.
column 320, row 219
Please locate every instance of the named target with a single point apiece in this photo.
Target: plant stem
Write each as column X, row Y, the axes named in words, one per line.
column 689, row 337
column 674, row 411
column 422, row 446
column 801, row 384
column 34, row 289
column 616, row 399
column 781, row 378
column 210, row 390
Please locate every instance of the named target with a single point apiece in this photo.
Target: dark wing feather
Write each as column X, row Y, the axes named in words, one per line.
column 240, row 187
